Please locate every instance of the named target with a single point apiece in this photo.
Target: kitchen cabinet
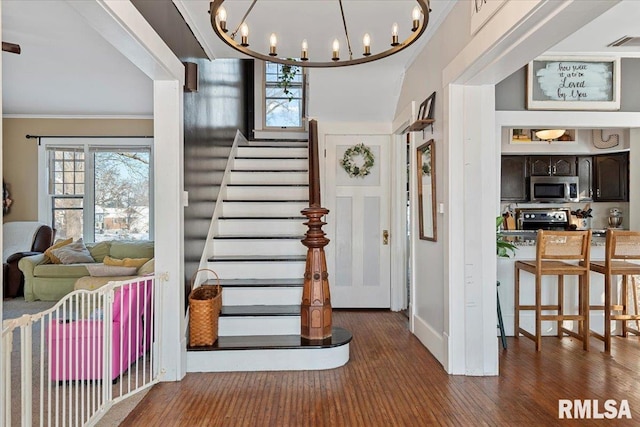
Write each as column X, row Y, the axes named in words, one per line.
column 552, row 165
column 513, row 179
column 585, row 178
column 611, row 176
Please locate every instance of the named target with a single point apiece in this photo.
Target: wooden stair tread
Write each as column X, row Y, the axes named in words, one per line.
column 340, row 336
column 244, row 237
column 262, row 201
column 268, row 185
column 270, row 170
column 256, row 258
column 258, row 283
column 233, row 218
column 260, row 310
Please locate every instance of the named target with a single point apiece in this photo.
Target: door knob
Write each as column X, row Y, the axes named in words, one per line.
column 385, row 237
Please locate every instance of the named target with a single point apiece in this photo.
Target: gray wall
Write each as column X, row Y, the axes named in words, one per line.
column 511, row 93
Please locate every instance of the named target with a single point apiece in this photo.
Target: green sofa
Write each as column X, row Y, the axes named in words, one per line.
column 50, row 282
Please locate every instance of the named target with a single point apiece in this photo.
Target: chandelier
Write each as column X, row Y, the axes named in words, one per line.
column 419, row 21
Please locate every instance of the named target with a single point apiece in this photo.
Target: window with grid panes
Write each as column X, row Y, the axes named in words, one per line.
column 283, row 109
column 100, row 192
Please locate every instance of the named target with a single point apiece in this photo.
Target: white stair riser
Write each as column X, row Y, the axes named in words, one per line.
column 276, row 141
column 258, row 209
column 272, row 152
column 273, row 193
column 261, row 227
column 233, row 295
column 268, row 177
column 258, row 325
column 258, row 247
column 267, row 359
column 270, row 164
column 263, row 270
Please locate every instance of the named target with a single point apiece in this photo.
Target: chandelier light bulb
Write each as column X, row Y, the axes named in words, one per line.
column 336, row 50
column 366, row 41
column 273, row 41
column 244, row 32
column 394, row 34
column 415, row 15
column 222, row 17
column 305, row 51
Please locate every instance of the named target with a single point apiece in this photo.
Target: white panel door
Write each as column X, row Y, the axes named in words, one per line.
column 358, row 256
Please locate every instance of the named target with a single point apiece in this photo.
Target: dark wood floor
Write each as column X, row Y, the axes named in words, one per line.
column 392, row 380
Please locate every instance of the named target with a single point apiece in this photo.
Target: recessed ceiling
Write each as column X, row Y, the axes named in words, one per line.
column 66, row 68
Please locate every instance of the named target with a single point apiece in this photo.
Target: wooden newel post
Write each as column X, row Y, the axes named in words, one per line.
column 315, row 311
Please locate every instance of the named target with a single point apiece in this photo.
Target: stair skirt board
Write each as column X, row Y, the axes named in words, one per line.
column 258, row 325
column 237, row 295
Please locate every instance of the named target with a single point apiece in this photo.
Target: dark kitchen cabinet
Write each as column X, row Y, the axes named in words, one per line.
column 585, row 178
column 513, row 182
column 552, row 165
column 611, row 177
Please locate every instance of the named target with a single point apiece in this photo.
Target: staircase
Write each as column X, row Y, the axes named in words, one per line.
column 257, row 252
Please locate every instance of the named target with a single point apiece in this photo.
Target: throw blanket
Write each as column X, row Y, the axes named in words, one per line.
column 18, row 237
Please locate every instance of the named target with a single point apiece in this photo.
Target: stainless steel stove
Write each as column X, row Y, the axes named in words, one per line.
column 542, row 219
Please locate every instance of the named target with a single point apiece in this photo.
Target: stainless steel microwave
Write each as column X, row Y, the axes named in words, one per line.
column 554, row 189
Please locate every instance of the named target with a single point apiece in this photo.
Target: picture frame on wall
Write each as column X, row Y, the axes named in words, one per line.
column 482, row 11
column 573, row 83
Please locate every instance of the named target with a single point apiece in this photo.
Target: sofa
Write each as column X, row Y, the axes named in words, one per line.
column 46, row 281
column 21, row 239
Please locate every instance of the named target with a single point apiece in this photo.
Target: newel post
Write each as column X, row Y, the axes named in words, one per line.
column 315, row 310
column 316, row 301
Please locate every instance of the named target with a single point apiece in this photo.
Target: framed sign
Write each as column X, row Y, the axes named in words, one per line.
column 573, row 83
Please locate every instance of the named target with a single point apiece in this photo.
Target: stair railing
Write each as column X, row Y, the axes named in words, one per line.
column 315, row 310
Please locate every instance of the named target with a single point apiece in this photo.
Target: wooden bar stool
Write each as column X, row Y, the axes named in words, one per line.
column 553, row 250
column 620, row 246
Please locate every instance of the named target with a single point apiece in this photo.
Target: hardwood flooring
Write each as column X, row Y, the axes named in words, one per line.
column 392, row 380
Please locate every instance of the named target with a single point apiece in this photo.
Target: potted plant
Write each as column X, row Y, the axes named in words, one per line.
column 503, row 247
column 287, row 75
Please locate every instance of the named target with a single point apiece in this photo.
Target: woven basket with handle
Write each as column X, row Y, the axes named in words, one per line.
column 205, row 303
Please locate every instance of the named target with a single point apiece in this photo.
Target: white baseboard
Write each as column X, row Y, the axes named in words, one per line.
column 430, row 338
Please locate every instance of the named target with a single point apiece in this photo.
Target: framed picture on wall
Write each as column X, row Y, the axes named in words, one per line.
column 573, row 83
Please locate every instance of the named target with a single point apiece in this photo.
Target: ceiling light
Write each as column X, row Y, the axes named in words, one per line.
column 419, row 20
column 550, row 134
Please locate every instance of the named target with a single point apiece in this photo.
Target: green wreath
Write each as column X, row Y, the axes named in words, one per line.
column 349, row 164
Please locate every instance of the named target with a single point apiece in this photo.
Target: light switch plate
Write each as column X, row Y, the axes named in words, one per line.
column 441, row 208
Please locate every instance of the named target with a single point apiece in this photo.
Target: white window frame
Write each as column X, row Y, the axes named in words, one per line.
column 45, row 208
column 263, row 101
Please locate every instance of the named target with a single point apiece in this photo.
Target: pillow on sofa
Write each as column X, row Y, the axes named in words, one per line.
column 101, row 270
column 99, row 250
column 122, row 249
column 73, row 253
column 126, row 262
column 147, row 268
column 49, row 252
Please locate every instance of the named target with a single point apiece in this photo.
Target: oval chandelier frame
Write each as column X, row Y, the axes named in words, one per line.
column 231, row 42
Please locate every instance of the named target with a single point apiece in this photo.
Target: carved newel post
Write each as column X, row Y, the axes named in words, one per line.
column 316, row 302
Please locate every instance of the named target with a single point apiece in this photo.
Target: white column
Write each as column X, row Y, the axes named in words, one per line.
column 169, row 226
column 473, row 191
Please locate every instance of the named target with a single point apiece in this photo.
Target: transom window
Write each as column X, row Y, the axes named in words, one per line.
column 97, row 192
column 284, row 96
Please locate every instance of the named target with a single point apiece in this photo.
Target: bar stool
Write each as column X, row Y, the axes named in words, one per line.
column 620, row 247
column 553, row 250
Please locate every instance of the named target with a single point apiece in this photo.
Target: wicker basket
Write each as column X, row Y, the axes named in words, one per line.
column 205, row 303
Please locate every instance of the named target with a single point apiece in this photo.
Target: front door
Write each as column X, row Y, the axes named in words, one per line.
column 357, row 189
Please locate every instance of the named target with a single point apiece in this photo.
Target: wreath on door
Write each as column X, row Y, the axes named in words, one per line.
column 358, row 170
